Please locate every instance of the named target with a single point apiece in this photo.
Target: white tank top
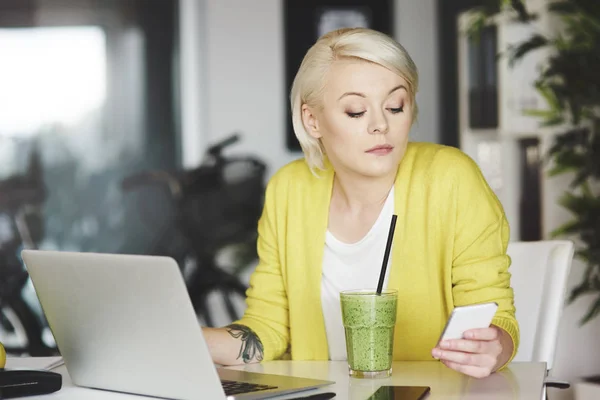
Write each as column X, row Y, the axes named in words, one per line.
column 352, row 266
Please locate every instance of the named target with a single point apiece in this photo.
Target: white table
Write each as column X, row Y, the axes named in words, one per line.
column 519, row 381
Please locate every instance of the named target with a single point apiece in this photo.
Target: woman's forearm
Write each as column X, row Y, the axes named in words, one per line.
column 233, row 345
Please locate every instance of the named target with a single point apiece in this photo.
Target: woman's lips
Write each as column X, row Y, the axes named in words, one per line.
column 381, row 150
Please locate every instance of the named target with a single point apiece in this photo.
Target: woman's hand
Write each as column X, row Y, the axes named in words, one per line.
column 481, row 352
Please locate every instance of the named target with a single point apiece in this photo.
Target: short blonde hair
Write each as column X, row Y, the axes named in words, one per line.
column 347, row 43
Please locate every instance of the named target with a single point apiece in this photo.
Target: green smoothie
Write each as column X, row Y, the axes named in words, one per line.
column 369, row 321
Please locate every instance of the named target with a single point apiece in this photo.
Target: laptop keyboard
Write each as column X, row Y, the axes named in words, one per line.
column 233, row 387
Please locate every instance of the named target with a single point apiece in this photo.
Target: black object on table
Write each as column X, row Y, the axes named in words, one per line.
column 23, row 383
column 318, row 396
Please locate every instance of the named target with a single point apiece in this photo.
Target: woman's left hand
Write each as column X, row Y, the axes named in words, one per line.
column 479, row 354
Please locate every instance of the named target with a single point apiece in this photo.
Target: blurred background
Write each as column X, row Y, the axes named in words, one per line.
column 152, row 126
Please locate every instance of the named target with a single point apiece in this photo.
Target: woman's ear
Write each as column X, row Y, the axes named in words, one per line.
column 311, row 123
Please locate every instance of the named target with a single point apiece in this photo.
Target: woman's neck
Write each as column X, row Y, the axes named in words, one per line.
column 356, row 194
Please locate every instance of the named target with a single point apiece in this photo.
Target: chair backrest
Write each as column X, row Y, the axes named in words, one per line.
column 539, row 279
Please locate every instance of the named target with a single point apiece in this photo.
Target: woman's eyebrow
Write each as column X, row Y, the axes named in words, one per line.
column 363, row 95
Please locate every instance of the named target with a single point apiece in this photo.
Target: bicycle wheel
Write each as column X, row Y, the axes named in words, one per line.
column 220, row 306
column 20, row 330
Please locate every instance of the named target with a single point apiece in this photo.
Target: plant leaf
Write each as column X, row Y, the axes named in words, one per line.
column 562, row 7
column 566, row 229
column 578, row 291
column 522, row 12
column 592, row 312
column 560, row 169
column 517, row 52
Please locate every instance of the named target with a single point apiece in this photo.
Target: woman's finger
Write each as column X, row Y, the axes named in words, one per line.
column 490, row 333
column 468, row 346
column 471, row 370
column 474, row 359
column 472, row 346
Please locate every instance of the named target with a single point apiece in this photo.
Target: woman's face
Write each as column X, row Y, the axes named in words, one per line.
column 364, row 120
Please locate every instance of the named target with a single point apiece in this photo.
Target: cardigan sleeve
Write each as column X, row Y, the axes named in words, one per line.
column 266, row 298
column 480, row 269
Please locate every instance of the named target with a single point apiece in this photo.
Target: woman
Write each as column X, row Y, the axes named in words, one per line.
column 326, row 218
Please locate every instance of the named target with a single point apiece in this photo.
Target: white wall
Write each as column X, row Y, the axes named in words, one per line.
column 245, row 83
column 245, row 72
column 576, row 355
column 416, row 30
column 577, row 352
column 244, row 91
column 238, row 70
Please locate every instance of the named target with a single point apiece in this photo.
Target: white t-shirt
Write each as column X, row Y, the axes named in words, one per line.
column 352, row 266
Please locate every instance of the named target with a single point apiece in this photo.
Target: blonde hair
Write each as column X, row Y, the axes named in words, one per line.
column 347, row 43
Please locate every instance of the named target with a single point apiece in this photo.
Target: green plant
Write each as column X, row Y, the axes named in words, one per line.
column 570, row 84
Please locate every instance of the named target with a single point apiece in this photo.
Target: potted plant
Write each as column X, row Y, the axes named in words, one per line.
column 569, row 82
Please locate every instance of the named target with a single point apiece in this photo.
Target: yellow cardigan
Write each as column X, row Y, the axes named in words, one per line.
column 449, row 250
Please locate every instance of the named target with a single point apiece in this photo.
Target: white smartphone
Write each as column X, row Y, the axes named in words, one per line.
column 464, row 318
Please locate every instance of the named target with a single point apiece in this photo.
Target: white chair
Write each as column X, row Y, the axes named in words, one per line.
column 539, row 279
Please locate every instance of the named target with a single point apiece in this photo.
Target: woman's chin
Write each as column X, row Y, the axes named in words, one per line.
column 378, row 168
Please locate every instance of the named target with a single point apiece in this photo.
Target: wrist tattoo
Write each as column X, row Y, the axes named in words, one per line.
column 251, row 346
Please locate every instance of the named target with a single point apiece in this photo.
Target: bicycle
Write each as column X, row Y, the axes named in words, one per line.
column 216, row 205
column 23, row 328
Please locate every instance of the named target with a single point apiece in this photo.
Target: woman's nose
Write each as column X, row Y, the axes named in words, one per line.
column 378, row 125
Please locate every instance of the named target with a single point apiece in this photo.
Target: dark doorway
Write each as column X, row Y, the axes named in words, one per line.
column 305, row 21
column 529, row 152
column 448, row 12
column 530, row 203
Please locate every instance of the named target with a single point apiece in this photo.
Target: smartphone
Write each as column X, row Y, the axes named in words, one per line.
column 464, row 318
column 401, row 393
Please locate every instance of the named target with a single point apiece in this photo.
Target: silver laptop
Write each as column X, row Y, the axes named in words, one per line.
column 125, row 323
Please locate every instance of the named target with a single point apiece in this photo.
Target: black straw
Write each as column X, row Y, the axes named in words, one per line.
column 386, row 256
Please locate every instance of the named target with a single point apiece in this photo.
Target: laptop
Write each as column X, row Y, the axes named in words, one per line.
column 125, row 323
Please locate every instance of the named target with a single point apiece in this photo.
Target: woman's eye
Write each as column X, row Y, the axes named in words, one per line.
column 396, row 110
column 355, row 115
